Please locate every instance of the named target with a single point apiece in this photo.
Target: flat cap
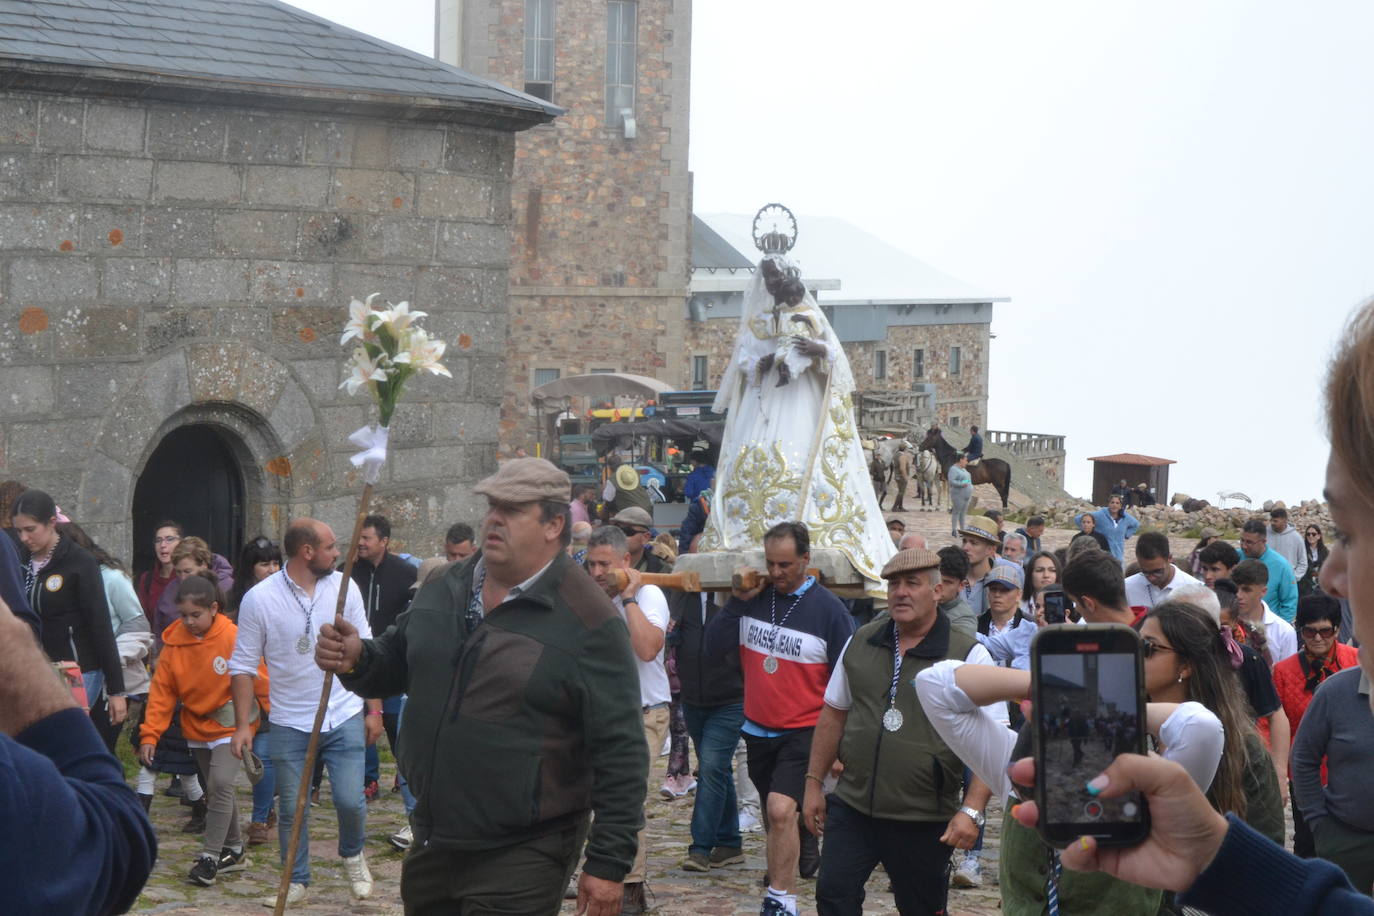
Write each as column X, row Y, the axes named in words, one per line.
column 1005, row 575
column 981, row 527
column 911, row 560
column 526, row 480
column 633, row 516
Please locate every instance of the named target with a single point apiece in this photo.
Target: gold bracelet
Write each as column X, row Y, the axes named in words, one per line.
column 815, row 777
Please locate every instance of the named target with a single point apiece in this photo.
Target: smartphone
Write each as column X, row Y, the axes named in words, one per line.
column 1056, row 605
column 1088, row 696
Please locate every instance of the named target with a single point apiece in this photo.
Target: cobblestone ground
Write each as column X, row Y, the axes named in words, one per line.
column 674, row 892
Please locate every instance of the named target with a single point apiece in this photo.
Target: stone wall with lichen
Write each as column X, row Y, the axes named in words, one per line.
column 163, row 264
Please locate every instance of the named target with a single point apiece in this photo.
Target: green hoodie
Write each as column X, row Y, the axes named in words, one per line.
column 521, row 728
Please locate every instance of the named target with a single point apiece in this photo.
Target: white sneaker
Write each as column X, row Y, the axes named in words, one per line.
column 402, row 838
column 358, row 876
column 968, row 874
column 749, row 821
column 295, row 894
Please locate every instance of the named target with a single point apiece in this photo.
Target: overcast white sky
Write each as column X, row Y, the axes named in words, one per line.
column 1176, row 196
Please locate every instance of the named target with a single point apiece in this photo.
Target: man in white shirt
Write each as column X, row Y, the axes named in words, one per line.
column 1158, row 575
column 645, row 611
column 279, row 621
column 1252, row 582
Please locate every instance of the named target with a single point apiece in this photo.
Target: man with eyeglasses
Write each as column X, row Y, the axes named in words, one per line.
column 1282, row 596
column 1158, row 575
column 638, row 528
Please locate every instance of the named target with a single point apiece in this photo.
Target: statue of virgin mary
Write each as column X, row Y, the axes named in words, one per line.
column 791, row 450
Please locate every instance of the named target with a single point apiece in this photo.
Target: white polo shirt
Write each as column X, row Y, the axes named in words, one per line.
column 272, row 620
column 653, row 676
column 1141, row 592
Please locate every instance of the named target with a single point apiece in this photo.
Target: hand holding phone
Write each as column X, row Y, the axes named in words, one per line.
column 1088, row 700
column 1056, row 605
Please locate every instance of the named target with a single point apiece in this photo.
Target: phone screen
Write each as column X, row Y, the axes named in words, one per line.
column 1089, row 708
column 1055, row 606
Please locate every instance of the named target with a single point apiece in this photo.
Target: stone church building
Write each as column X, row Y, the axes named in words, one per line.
column 190, row 195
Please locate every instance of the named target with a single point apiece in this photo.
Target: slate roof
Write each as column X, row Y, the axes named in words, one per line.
column 1133, row 458
column 711, row 252
column 262, row 45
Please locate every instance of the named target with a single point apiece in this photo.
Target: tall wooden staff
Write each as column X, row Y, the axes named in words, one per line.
column 391, row 348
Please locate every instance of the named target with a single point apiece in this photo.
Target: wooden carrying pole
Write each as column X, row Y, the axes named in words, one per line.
column 312, row 748
column 679, row 581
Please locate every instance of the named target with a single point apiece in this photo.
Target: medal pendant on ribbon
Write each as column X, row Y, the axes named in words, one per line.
column 303, row 644
column 892, row 719
column 770, row 665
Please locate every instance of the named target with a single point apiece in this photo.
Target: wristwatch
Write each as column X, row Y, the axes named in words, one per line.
column 974, row 815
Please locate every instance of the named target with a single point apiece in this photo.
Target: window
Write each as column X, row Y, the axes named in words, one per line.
column 918, row 364
column 955, row 360
column 953, row 421
column 601, row 371
column 879, row 364
column 698, row 373
column 544, row 376
column 621, row 31
column 539, row 48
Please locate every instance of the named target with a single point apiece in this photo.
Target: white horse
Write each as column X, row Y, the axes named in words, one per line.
column 1224, row 495
column 931, row 486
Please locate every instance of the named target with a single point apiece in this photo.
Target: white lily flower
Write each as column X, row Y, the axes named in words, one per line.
column 365, row 371
column 359, row 324
column 400, row 316
column 425, row 355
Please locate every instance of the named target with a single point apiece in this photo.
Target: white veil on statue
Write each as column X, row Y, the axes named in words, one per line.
column 791, row 449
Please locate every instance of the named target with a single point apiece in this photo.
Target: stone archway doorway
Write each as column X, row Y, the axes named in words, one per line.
column 193, row 477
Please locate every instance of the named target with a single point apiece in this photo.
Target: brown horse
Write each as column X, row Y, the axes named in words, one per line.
column 990, row 470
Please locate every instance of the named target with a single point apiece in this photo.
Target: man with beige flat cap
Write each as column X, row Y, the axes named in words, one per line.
column 524, row 715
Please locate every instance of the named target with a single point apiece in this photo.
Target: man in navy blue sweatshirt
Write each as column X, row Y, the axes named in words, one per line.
column 86, row 845
column 12, row 584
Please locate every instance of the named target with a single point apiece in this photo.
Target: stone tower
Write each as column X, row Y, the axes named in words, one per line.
column 601, row 197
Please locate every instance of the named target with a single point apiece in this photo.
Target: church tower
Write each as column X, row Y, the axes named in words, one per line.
column 601, row 198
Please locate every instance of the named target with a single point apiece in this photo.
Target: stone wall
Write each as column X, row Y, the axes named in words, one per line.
column 714, row 339
column 162, row 265
column 601, row 228
column 964, row 396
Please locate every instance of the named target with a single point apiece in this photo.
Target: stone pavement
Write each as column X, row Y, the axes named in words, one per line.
column 674, row 892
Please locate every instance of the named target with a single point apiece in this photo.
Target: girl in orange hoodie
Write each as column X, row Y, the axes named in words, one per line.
column 194, row 668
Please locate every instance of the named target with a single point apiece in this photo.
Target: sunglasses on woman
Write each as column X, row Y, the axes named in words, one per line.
column 1314, row 632
column 1149, row 647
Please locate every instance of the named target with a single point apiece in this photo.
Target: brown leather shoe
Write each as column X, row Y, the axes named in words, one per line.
column 632, row 903
column 257, row 833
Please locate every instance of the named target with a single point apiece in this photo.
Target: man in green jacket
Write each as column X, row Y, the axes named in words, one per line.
column 523, row 715
column 899, row 799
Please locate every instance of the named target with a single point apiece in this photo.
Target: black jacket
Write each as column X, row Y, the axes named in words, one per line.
column 707, row 680
column 69, row 597
column 12, row 584
column 385, row 587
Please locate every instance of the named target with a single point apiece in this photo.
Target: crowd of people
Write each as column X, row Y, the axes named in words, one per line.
column 527, row 676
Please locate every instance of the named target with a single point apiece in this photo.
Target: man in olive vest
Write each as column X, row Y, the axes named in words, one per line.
column 898, row 798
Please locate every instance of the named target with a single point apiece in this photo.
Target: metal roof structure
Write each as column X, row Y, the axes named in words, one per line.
column 870, row 269
column 1132, row 458
column 189, row 50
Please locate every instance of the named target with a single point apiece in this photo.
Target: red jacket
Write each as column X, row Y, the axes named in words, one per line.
column 1291, row 685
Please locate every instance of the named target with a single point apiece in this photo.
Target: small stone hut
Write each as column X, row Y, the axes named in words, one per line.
column 191, row 191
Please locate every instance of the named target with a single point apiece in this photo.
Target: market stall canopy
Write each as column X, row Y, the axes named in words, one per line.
column 611, row 435
column 600, row 385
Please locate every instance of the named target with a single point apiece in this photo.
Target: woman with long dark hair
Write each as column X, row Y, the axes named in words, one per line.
column 1188, row 658
column 133, row 638
column 258, row 559
column 1316, row 556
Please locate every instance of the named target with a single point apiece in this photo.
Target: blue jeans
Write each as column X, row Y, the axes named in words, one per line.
column 391, row 708
column 715, row 732
column 266, row 788
column 94, row 682
column 342, row 753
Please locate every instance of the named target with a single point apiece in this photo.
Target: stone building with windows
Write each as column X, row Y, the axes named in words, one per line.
column 599, row 256
column 190, row 195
